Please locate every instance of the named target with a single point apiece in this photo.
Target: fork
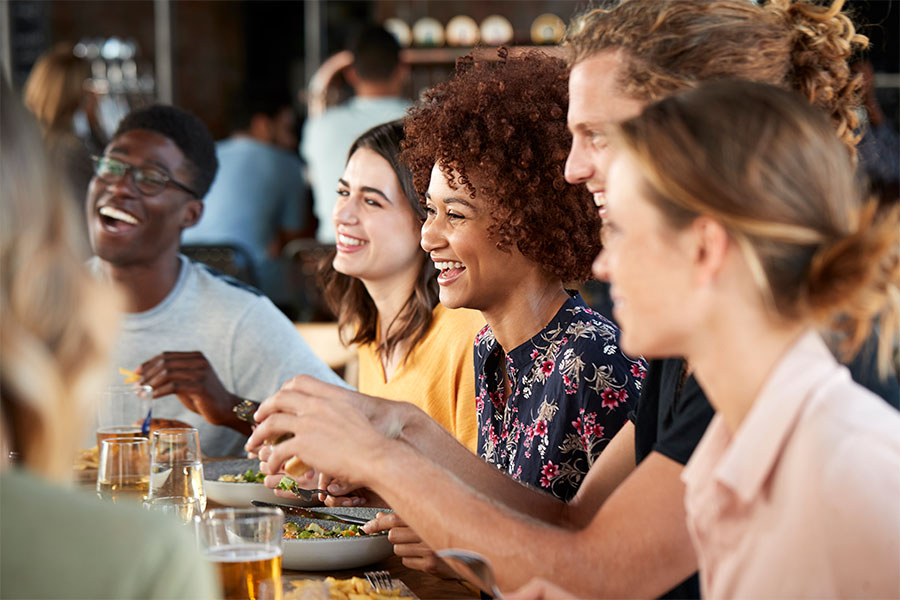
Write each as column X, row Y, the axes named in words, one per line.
column 380, row 580
column 305, row 494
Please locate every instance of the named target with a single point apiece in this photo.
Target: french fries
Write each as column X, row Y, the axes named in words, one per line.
column 130, row 376
column 355, row 588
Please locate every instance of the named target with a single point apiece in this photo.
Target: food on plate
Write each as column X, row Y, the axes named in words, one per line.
column 248, row 476
column 296, row 468
column 287, row 484
column 87, row 458
column 293, row 531
column 355, row 588
column 130, row 376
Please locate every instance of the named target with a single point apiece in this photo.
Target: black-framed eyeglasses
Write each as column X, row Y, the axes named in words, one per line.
column 149, row 181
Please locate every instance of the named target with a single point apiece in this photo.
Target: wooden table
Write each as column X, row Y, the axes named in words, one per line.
column 422, row 584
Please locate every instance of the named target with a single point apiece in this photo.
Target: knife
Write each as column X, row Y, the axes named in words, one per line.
column 313, row 514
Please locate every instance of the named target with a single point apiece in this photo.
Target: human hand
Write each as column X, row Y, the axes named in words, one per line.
column 190, row 376
column 330, row 432
column 540, row 589
column 415, row 553
column 273, row 479
column 341, row 494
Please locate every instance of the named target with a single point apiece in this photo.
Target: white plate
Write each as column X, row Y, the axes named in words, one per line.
column 240, row 494
column 332, row 554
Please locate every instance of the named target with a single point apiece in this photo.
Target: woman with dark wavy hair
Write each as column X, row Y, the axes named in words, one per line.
column 383, row 289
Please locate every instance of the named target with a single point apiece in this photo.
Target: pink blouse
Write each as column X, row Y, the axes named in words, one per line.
column 803, row 500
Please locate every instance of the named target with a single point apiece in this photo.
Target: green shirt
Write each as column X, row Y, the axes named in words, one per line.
column 57, row 542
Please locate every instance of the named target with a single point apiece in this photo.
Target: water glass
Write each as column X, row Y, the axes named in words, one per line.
column 176, row 466
column 184, row 508
column 122, row 410
column 123, row 474
column 245, row 544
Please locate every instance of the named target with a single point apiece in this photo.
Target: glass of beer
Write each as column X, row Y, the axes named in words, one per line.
column 123, row 474
column 176, row 466
column 122, row 411
column 245, row 543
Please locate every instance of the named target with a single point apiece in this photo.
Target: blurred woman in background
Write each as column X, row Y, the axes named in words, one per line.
column 55, row 93
column 56, row 328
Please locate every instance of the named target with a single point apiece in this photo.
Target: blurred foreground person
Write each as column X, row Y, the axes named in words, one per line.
column 794, row 489
column 203, row 341
column 55, row 93
column 56, row 327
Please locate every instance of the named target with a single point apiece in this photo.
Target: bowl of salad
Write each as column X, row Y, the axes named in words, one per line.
column 321, row 545
column 237, row 482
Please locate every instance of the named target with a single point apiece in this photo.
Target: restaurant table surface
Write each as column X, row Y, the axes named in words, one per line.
column 422, row 584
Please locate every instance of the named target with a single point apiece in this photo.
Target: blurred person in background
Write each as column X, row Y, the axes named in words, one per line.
column 203, row 341
column 377, row 77
column 57, row 325
column 879, row 148
column 55, row 93
column 258, row 200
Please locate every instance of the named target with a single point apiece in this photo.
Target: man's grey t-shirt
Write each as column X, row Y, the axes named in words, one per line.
column 250, row 344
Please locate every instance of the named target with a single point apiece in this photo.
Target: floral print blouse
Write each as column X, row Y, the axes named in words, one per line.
column 572, row 390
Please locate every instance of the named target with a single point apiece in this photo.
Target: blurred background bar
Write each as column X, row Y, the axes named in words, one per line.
column 202, row 55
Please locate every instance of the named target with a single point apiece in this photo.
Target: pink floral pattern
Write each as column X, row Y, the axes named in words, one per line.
column 571, row 391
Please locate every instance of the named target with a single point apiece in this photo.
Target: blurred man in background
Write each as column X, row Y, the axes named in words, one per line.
column 377, row 78
column 258, row 200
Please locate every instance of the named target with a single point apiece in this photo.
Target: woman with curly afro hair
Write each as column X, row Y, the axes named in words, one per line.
column 505, row 231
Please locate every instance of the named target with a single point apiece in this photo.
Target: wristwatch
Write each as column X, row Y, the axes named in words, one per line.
column 245, row 409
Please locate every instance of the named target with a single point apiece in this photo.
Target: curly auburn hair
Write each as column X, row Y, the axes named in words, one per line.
column 501, row 126
column 673, row 45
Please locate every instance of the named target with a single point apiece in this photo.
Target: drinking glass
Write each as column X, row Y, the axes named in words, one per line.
column 245, row 544
column 176, row 467
column 122, row 410
column 184, row 508
column 123, row 474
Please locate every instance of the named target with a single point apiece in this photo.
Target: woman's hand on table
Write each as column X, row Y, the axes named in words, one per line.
column 330, row 432
column 414, row 553
column 539, row 589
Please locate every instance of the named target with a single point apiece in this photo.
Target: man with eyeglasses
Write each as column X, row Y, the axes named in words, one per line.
column 204, row 342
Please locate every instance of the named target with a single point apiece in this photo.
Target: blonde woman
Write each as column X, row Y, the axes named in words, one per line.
column 55, row 93
column 740, row 199
column 56, row 327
